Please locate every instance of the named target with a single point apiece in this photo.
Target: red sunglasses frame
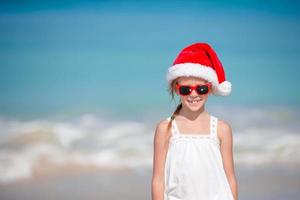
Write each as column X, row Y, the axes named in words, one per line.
column 193, row 87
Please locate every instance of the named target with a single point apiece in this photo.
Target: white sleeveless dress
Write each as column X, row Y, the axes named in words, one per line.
column 194, row 168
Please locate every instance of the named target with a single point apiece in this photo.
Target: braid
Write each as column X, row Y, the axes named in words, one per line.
column 174, row 114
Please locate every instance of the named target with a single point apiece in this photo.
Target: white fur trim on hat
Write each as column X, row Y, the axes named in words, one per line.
column 201, row 71
column 223, row 89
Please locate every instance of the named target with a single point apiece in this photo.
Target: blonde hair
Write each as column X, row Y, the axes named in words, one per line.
column 171, row 90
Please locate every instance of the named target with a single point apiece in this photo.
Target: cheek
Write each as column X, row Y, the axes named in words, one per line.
column 204, row 98
column 183, row 98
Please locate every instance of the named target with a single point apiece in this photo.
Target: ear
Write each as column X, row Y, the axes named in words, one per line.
column 176, row 91
column 175, row 88
column 210, row 90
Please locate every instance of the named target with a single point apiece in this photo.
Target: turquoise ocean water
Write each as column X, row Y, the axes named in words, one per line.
column 86, row 56
column 84, row 81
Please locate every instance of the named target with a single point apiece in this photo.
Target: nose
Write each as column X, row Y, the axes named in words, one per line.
column 194, row 93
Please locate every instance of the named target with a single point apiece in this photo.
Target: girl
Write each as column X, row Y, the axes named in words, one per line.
column 193, row 157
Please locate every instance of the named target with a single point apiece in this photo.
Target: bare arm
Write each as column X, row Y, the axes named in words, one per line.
column 226, row 138
column 160, row 144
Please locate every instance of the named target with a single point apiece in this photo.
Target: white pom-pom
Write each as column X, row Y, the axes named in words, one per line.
column 224, row 88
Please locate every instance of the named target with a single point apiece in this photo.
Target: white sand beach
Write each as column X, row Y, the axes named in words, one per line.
column 260, row 183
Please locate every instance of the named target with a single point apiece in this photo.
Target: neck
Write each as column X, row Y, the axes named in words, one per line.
column 192, row 115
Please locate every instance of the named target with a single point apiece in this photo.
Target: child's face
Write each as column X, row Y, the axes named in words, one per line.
column 193, row 101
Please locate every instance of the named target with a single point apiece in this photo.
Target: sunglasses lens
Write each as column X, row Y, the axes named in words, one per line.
column 203, row 89
column 185, row 90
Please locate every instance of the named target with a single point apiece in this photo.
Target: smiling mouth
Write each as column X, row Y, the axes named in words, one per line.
column 194, row 101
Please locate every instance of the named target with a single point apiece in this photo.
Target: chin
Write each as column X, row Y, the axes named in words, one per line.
column 195, row 109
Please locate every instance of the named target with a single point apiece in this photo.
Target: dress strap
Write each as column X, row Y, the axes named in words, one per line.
column 174, row 129
column 213, row 126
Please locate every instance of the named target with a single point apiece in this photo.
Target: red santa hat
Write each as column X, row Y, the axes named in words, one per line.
column 200, row 60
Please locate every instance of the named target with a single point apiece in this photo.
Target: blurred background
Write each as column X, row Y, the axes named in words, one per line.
column 82, row 87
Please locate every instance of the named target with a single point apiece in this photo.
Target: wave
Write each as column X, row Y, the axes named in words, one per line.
column 91, row 140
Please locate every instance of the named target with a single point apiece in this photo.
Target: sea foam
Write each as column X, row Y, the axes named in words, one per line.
column 91, row 140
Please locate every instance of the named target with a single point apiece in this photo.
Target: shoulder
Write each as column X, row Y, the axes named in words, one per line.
column 162, row 124
column 224, row 130
column 162, row 129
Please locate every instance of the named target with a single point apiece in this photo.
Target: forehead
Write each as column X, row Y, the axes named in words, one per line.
column 191, row 80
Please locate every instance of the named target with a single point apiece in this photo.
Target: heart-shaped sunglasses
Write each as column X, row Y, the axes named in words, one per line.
column 187, row 89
